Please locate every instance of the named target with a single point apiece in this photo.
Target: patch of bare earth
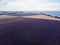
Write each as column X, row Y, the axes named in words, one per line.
column 41, row 17
column 6, row 17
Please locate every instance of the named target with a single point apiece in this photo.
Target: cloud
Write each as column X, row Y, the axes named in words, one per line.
column 30, row 5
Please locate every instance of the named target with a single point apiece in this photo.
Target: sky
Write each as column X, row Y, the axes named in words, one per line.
column 29, row 5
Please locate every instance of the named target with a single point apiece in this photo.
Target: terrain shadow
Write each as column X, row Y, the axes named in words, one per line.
column 30, row 31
